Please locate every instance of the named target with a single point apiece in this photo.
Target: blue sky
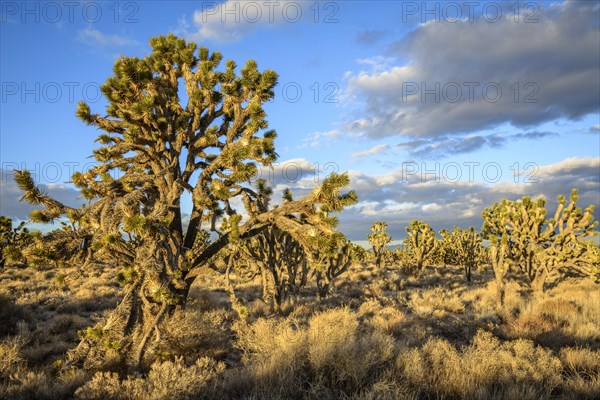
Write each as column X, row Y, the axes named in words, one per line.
column 436, row 109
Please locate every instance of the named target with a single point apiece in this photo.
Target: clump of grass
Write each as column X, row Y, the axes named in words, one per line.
column 274, row 357
column 172, row 380
column 438, row 301
column 192, row 334
column 11, row 360
column 487, row 368
column 339, row 352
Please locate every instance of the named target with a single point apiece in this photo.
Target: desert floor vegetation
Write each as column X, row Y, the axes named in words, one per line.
column 380, row 334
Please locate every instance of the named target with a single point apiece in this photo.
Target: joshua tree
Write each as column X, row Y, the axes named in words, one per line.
column 539, row 246
column 335, row 258
column 282, row 264
column 156, row 147
column 421, row 242
column 468, row 249
column 379, row 239
column 12, row 241
column 461, row 247
column 446, row 249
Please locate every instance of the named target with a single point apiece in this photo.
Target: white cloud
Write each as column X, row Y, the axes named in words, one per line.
column 95, row 37
column 371, row 152
column 10, row 195
column 398, row 199
column 318, row 138
column 231, row 20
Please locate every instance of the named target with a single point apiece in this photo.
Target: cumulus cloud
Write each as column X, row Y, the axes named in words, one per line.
column 467, row 76
column 318, row 138
column 427, row 193
column 371, row 152
column 96, row 38
column 231, row 20
column 370, row 37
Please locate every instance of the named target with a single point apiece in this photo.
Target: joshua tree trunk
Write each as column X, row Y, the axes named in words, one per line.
column 500, row 292
column 537, row 284
column 378, row 260
column 322, row 284
column 468, row 271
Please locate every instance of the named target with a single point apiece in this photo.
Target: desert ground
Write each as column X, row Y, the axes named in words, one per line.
column 381, row 334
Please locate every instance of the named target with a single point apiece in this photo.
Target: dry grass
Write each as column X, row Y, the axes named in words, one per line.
column 515, row 369
column 381, row 335
column 166, row 380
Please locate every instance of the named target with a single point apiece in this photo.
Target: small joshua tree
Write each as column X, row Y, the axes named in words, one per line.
column 468, row 249
column 446, row 249
column 421, row 243
column 461, row 247
column 334, row 259
column 12, row 242
column 285, row 265
column 538, row 246
column 379, row 239
column 281, row 262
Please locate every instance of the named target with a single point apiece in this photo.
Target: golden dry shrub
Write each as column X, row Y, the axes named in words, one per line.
column 274, row 359
column 438, row 301
column 27, row 385
column 343, row 355
column 565, row 319
column 581, row 361
column 103, row 385
column 166, row 380
column 190, row 334
column 582, row 372
column 488, row 368
column 527, row 326
column 388, row 320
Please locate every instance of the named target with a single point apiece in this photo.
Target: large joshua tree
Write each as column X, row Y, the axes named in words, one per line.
column 157, row 145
